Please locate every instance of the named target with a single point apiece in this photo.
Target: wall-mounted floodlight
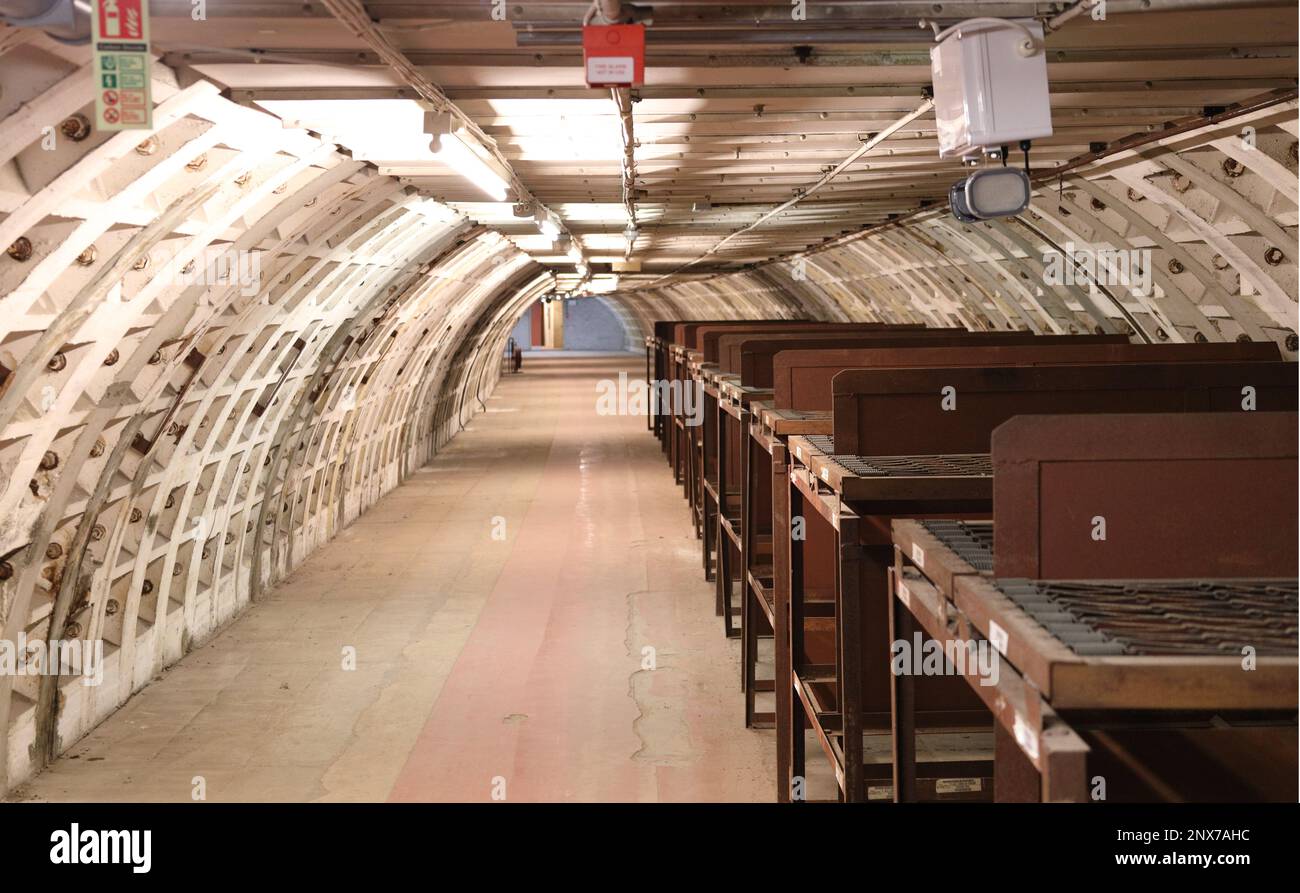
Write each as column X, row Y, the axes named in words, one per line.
column 957, row 201
column 988, row 193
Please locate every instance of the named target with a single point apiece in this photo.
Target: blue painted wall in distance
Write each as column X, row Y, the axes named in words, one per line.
column 590, row 325
column 523, row 330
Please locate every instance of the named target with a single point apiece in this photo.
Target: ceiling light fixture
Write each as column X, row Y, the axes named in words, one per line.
column 546, row 223
column 463, row 160
column 393, row 131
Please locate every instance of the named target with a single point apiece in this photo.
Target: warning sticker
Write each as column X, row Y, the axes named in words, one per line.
column 121, row 44
column 958, row 785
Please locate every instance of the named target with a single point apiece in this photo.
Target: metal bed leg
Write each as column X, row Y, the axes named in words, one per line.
column 902, row 706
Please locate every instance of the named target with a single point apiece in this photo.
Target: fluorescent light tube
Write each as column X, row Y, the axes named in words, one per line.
column 460, row 158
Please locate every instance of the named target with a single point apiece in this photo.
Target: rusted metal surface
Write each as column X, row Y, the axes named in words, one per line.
column 802, row 380
column 854, row 495
column 850, row 695
column 800, row 590
column 1152, row 618
column 1130, row 661
column 887, row 411
column 730, row 345
column 1197, row 489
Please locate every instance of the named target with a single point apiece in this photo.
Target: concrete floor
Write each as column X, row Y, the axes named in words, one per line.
column 485, row 667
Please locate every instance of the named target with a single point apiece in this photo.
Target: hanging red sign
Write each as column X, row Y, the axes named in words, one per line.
column 614, row 55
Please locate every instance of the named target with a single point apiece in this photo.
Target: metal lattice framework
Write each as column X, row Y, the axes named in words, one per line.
column 172, row 443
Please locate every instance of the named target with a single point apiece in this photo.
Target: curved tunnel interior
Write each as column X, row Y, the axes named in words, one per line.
column 225, row 337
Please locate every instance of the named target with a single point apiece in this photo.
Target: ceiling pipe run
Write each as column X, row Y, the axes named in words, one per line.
column 623, row 99
column 352, row 14
column 539, row 34
column 867, row 145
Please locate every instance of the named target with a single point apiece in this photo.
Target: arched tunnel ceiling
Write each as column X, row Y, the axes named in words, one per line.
column 223, row 339
column 219, row 343
column 1208, row 223
column 744, row 106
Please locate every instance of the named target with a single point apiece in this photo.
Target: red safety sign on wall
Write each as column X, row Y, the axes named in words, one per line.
column 614, row 55
column 122, row 65
column 121, row 19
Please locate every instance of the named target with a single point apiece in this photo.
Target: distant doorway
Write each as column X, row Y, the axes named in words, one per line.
column 586, row 324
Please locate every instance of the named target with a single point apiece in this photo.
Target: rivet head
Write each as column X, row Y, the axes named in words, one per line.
column 49, row 461
column 72, row 630
column 197, row 163
column 75, row 127
column 98, row 449
column 1274, row 256
column 148, row 147
column 1292, row 342
column 53, row 551
column 113, row 357
column 87, row 257
column 21, row 249
column 6, row 570
column 136, row 515
column 146, row 587
column 111, row 607
column 1175, row 266
column 97, row 532
column 141, row 262
column 57, row 363
column 1200, row 338
column 1243, row 338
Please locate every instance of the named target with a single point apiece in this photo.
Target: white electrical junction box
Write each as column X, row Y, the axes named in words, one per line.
column 986, row 92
